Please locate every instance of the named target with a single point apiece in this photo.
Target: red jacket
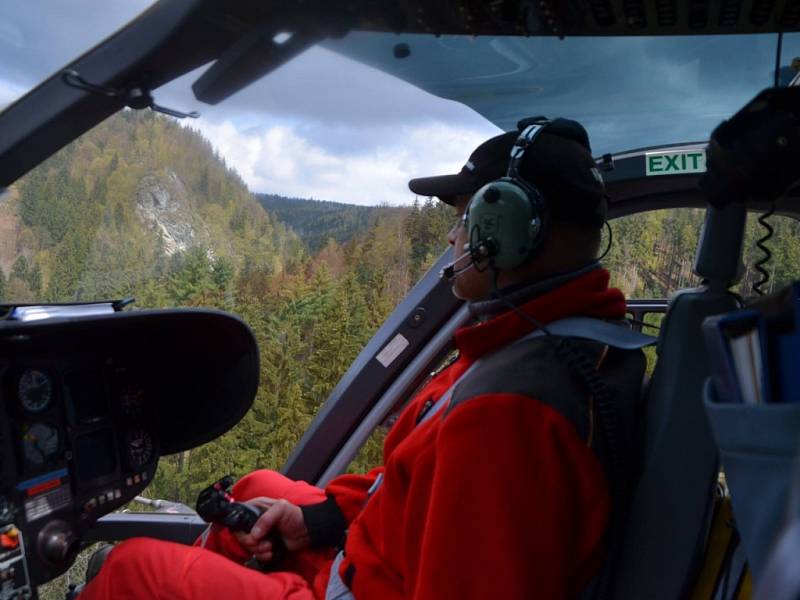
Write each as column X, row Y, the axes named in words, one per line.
column 499, row 499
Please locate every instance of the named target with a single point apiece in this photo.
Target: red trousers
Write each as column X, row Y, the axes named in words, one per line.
column 213, row 568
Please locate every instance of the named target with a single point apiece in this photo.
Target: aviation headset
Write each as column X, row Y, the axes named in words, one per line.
column 506, row 219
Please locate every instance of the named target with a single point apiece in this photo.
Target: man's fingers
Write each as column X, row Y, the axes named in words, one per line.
column 262, row 502
column 248, row 543
column 245, row 540
column 268, row 520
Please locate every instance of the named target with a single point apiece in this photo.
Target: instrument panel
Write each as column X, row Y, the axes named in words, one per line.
column 88, row 402
column 77, row 438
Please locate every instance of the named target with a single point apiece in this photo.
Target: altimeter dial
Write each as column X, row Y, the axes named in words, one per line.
column 35, row 390
column 139, row 448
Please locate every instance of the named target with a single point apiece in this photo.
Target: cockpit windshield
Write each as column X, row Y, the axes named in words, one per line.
column 629, row 92
column 287, row 204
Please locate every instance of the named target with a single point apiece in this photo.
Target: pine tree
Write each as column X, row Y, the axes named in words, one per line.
column 193, row 276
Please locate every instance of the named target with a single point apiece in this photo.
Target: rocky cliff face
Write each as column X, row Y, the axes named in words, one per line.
column 164, row 205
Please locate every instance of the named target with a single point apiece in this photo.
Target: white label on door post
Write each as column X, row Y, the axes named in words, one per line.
column 392, row 350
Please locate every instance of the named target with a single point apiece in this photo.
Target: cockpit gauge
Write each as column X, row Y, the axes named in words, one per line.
column 139, row 448
column 131, row 400
column 39, row 443
column 35, row 390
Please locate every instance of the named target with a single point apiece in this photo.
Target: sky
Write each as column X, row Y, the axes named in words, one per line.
column 322, row 126
column 329, row 127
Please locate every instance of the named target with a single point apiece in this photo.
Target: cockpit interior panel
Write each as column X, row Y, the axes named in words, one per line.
column 89, row 404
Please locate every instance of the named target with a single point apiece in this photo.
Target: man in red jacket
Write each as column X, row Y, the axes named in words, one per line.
column 496, row 478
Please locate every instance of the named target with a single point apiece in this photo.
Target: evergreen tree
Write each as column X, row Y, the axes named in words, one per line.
column 193, row 276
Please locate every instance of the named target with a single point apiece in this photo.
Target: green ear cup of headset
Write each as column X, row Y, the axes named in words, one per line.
column 504, row 222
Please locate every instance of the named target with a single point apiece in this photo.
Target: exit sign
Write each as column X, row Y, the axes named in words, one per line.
column 675, row 163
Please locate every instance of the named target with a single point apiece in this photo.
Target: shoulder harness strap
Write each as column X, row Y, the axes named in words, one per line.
column 604, row 332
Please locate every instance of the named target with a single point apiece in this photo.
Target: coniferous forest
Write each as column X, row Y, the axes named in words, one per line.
column 142, row 206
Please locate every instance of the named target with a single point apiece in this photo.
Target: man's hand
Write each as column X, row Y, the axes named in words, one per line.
column 281, row 516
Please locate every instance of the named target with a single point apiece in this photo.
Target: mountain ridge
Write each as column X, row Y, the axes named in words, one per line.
column 316, row 221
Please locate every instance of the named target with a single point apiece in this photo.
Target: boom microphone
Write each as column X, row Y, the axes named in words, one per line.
column 450, row 272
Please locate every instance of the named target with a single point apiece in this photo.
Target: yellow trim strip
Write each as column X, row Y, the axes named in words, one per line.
column 718, row 542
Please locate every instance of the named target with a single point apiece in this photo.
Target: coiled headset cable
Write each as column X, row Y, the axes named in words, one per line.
column 761, row 244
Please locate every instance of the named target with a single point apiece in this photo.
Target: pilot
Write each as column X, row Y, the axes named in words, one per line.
column 497, row 479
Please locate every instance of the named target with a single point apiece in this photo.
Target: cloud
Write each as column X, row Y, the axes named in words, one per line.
column 9, row 92
column 278, row 160
column 321, row 89
column 328, row 127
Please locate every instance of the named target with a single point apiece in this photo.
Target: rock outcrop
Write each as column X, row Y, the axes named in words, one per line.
column 163, row 203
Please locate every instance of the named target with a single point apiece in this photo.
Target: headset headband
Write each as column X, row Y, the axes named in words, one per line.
column 524, row 141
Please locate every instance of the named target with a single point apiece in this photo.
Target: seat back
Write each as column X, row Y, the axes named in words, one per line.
column 670, row 512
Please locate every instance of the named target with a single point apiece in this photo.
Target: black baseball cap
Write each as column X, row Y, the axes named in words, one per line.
column 488, row 162
column 559, row 164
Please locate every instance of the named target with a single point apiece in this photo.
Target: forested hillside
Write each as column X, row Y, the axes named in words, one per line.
column 317, row 221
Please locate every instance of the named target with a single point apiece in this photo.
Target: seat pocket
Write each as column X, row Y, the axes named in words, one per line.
column 758, row 447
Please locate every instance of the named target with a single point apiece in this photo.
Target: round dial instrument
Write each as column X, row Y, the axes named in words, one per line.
column 39, row 443
column 35, row 390
column 139, row 448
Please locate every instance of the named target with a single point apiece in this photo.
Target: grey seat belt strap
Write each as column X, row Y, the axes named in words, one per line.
column 610, row 334
column 616, row 336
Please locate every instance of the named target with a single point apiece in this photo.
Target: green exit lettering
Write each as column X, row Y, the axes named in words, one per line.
column 675, row 163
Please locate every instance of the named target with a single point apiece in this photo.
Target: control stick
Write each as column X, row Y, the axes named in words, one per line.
column 216, row 504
